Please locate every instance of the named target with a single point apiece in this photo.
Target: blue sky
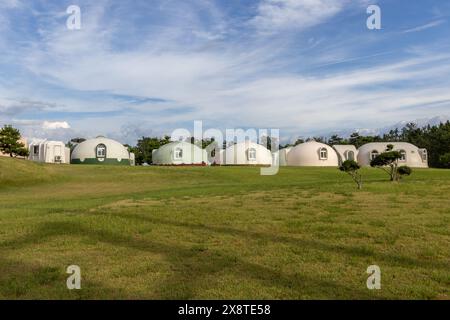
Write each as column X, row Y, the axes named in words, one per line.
column 147, row 67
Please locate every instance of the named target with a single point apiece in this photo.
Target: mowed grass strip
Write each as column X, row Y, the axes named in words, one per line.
column 221, row 233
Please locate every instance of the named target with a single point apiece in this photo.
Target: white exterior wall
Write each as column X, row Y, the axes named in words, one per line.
column 308, row 155
column 114, row 149
column 49, row 152
column 415, row 157
column 240, row 154
column 345, row 152
column 191, row 154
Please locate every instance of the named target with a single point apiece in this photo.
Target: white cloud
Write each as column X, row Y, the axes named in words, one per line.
column 53, row 125
column 10, row 4
column 296, row 14
column 231, row 84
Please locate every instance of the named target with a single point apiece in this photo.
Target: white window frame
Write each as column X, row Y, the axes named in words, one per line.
column 98, row 148
column 178, row 153
column 403, row 156
column 323, row 154
column 374, row 154
column 251, row 154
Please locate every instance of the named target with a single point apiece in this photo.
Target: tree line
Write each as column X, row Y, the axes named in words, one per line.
column 436, row 139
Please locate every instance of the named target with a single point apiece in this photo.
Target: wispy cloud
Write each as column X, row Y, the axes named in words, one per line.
column 276, row 15
column 426, row 26
column 171, row 62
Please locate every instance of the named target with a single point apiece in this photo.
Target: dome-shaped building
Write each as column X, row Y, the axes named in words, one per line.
column 101, row 150
column 412, row 156
column 178, row 153
column 244, row 153
column 346, row 152
column 312, row 154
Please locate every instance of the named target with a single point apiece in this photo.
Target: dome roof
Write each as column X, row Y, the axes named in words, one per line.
column 313, row 154
column 381, row 146
column 188, row 154
column 88, row 150
column 244, row 153
column 414, row 157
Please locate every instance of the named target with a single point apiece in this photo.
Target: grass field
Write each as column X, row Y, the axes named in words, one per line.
column 221, row 233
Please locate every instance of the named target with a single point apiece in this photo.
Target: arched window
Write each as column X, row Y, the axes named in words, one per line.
column 323, row 154
column 213, row 153
column 178, row 154
column 251, row 154
column 402, row 156
column 100, row 151
column 350, row 155
column 373, row 154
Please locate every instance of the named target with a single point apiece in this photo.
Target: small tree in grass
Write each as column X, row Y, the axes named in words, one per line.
column 10, row 142
column 352, row 168
column 403, row 171
column 388, row 162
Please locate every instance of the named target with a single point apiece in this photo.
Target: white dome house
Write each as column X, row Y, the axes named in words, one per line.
column 179, row 153
column 101, row 150
column 412, row 156
column 312, row 154
column 244, row 153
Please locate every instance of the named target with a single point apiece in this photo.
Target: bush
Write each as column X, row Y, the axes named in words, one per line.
column 404, row 171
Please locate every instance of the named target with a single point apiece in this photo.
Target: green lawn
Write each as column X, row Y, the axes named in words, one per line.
column 221, row 233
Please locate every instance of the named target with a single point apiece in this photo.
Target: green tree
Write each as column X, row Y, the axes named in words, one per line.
column 335, row 140
column 352, row 169
column 403, row 171
column 10, row 142
column 444, row 160
column 388, row 162
column 145, row 146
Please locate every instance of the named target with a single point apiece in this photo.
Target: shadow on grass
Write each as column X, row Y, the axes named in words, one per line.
column 190, row 267
column 20, row 280
column 317, row 245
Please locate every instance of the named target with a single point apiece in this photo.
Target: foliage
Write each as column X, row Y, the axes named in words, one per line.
column 435, row 139
column 444, row 160
column 352, row 168
column 403, row 171
column 10, row 142
column 388, row 162
column 145, row 146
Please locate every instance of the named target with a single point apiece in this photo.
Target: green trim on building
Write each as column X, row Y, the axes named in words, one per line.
column 123, row 162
